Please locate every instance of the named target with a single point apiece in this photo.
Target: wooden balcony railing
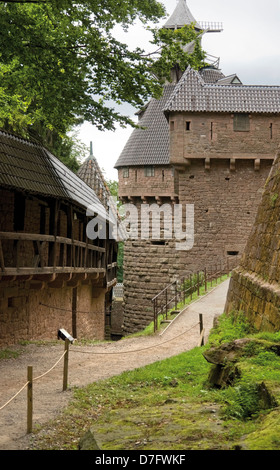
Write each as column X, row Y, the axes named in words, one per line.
column 25, row 253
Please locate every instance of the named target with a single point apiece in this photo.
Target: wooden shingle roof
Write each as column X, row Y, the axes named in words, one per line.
column 29, row 167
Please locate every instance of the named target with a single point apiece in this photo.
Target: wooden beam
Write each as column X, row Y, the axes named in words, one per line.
column 2, row 262
column 37, row 285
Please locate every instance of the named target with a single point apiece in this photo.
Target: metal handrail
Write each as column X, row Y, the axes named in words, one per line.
column 163, row 300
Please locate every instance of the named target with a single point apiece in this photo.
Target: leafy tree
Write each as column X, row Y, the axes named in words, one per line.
column 61, row 65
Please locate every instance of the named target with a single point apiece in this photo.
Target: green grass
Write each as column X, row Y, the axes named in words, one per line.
column 169, row 405
column 8, row 354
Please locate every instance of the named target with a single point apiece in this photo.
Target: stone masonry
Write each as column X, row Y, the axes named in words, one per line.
column 255, row 284
column 208, row 142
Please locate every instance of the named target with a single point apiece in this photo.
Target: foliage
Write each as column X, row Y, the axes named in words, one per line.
column 61, row 64
column 114, row 190
column 173, row 50
column 70, row 150
column 120, row 262
column 230, row 327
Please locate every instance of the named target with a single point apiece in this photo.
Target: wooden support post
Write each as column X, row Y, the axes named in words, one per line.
column 198, row 284
column 205, row 279
column 202, row 330
column 166, row 302
column 65, row 368
column 74, row 311
column 2, row 262
column 200, row 322
column 29, row 399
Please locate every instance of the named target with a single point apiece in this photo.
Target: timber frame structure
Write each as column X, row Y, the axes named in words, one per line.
column 51, row 274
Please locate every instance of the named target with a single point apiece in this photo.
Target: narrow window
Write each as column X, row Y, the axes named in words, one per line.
column 125, row 172
column 172, row 125
column 271, row 130
column 162, row 175
column 211, row 131
column 19, row 212
column 135, row 176
column 241, row 123
column 149, row 171
column 188, row 125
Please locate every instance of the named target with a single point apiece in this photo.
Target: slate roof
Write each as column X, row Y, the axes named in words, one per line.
column 230, row 80
column 31, row 168
column 149, row 146
column 192, row 94
column 181, row 16
column 90, row 172
column 211, row 74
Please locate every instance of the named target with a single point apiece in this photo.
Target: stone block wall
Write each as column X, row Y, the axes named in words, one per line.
column 225, row 204
column 136, row 183
column 30, row 314
column 213, row 135
column 255, row 285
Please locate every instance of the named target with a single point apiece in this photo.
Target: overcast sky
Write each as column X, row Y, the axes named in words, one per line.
column 248, row 46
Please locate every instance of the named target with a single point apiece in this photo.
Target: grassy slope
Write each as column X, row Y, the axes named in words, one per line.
column 169, row 405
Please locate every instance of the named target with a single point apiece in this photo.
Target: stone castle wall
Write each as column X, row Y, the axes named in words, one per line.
column 225, row 204
column 214, row 136
column 133, row 182
column 255, row 285
column 30, row 314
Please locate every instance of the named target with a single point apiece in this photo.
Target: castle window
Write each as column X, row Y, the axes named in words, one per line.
column 172, row 125
column 125, row 172
column 241, row 123
column 233, row 253
column 149, row 171
column 188, row 125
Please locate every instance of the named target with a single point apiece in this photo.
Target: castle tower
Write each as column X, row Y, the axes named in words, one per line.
column 209, row 142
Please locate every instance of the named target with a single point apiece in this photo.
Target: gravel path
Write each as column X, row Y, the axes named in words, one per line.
column 88, row 364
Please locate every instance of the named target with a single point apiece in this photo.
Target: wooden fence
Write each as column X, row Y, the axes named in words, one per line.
column 30, row 382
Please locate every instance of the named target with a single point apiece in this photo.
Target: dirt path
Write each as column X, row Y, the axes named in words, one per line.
column 88, row 364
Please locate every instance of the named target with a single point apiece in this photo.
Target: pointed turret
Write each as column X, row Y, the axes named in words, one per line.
column 182, row 16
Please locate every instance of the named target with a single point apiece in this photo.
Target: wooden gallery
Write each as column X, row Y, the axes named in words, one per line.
column 52, row 275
